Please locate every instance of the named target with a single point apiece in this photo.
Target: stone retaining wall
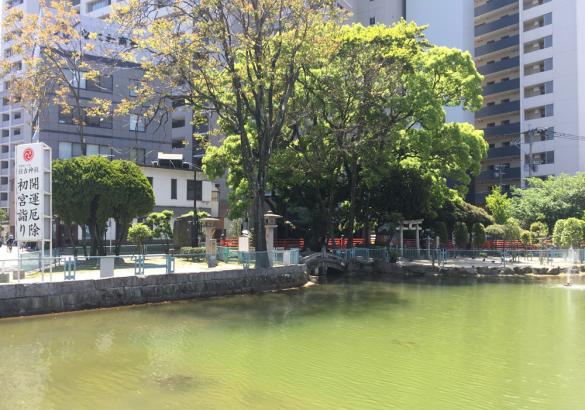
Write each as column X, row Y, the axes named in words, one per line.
column 39, row 298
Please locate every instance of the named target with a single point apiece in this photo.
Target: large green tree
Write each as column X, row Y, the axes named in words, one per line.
column 131, row 196
column 240, row 59
column 370, row 138
column 90, row 190
column 551, row 199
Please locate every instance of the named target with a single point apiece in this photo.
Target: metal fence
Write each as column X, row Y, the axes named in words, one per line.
column 277, row 257
column 556, row 257
column 542, row 257
column 30, row 267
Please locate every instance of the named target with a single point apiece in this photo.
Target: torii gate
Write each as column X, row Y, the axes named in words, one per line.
column 412, row 225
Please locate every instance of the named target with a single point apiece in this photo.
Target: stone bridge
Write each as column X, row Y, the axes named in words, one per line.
column 319, row 263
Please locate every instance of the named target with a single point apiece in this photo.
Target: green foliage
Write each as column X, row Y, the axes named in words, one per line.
column 572, row 234
column 457, row 210
column 495, row 231
column 558, row 232
column 160, row 223
column 3, row 219
column 189, row 250
column 138, row 234
column 539, row 230
column 499, row 205
column 90, row 190
column 393, row 256
column 200, row 215
column 461, row 235
column 131, row 196
column 478, row 231
column 526, row 238
column 512, row 230
column 441, row 231
column 349, row 148
column 558, row 197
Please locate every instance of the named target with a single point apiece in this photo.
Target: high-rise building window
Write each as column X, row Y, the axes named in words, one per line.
column 136, row 123
column 528, row 4
column 538, row 89
column 538, row 44
column 538, row 22
column 138, row 155
column 538, row 66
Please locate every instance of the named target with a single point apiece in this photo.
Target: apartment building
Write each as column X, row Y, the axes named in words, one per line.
column 532, row 55
column 552, row 87
column 117, row 137
column 497, row 56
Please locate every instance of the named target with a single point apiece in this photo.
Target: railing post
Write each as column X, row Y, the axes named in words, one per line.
column 170, row 264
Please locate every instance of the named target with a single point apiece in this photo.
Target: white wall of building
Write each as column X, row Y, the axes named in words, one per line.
column 450, row 24
column 161, row 184
column 383, row 11
column 568, row 96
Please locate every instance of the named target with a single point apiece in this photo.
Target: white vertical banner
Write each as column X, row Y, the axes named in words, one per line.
column 32, row 188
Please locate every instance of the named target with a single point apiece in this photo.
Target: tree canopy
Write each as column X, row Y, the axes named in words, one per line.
column 370, row 138
column 499, row 205
column 551, row 199
column 90, row 190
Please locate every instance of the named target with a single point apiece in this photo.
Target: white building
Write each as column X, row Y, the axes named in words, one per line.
column 532, row 54
column 552, row 84
column 173, row 190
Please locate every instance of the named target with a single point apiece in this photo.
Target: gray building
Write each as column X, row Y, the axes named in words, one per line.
column 132, row 137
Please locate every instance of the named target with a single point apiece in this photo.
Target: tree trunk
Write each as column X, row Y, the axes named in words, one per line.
column 353, row 200
column 259, row 228
column 121, row 232
column 367, row 231
column 330, row 218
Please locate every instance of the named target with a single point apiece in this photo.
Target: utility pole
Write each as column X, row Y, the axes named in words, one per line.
column 500, row 171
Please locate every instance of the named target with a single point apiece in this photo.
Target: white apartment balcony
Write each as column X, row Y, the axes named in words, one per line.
column 4, row 155
column 17, row 139
column 4, row 172
column 4, row 204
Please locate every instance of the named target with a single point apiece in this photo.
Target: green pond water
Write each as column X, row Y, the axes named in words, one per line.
column 369, row 344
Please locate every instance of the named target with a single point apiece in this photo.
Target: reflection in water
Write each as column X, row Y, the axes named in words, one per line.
column 368, row 343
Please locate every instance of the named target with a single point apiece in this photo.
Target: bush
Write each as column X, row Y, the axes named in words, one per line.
column 539, row 230
column 512, row 230
column 558, row 232
column 573, row 233
column 495, row 231
column 393, row 256
column 138, row 234
column 461, row 235
column 189, row 250
column 478, row 235
column 526, row 238
column 192, row 253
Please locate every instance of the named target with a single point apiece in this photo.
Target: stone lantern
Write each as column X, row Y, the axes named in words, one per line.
column 209, row 225
column 270, row 224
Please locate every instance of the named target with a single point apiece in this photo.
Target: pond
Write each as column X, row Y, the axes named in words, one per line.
column 349, row 344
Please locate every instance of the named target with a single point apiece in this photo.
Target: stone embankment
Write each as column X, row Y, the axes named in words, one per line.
column 427, row 269
column 53, row 297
